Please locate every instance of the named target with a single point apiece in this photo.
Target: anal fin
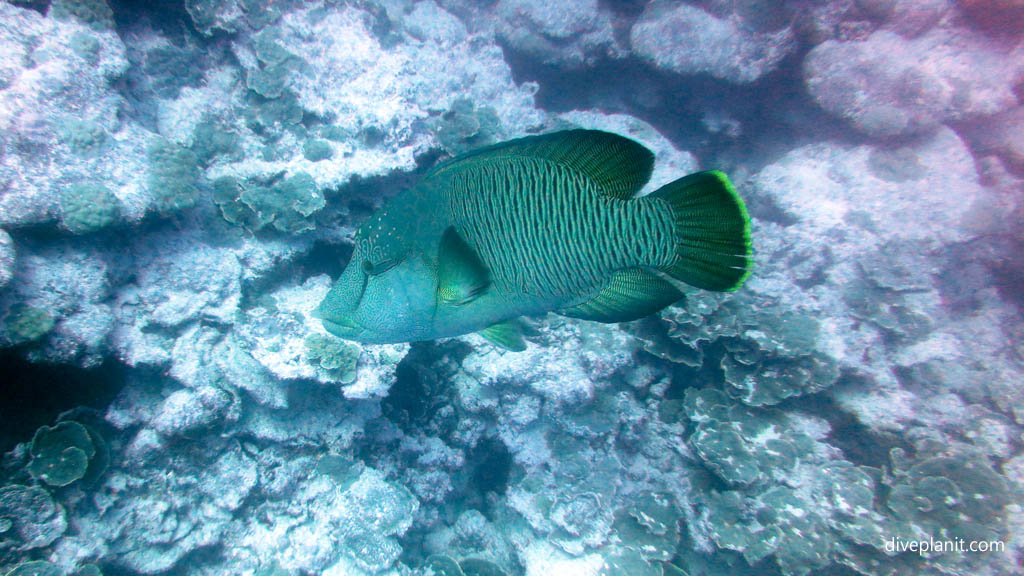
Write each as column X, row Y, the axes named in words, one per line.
column 507, row 335
column 630, row 295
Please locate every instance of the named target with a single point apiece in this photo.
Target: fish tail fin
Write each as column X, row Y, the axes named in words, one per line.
column 712, row 232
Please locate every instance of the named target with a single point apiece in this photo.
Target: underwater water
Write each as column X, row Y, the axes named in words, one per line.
column 181, row 183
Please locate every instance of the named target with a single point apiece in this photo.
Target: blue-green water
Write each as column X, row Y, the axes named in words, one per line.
column 179, row 187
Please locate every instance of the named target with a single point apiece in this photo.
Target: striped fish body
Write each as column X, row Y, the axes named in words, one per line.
column 548, row 235
column 540, row 224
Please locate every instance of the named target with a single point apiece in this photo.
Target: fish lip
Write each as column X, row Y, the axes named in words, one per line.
column 343, row 327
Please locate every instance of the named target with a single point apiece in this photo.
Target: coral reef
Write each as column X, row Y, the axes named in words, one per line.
column 738, row 46
column 26, row 324
column 87, row 207
column 288, row 205
column 179, row 186
column 886, row 85
column 61, row 454
column 173, row 175
column 7, row 258
column 567, row 35
column 34, row 520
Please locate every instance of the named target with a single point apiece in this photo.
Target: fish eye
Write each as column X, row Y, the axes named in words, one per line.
column 373, row 269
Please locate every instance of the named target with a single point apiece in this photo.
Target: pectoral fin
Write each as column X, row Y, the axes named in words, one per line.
column 462, row 276
column 507, row 335
column 631, row 294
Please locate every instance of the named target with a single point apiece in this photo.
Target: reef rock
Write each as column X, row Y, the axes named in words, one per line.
column 569, row 35
column 687, row 39
column 59, row 112
column 887, row 85
column 7, row 258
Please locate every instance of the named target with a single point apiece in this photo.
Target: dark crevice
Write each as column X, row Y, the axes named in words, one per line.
column 168, row 17
column 995, row 259
column 111, row 569
column 41, row 6
column 323, row 258
column 708, row 375
column 33, row 395
column 775, row 113
column 493, row 466
column 420, row 391
column 859, row 444
column 766, row 209
column 408, row 403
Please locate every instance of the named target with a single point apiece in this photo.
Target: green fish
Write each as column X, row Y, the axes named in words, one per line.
column 539, row 224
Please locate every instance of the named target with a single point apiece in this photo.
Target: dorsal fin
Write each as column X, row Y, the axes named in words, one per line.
column 617, row 164
column 462, row 277
column 630, row 295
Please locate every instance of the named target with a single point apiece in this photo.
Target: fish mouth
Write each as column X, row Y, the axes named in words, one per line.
column 343, row 327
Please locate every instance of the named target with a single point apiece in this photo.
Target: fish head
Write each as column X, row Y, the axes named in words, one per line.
column 386, row 294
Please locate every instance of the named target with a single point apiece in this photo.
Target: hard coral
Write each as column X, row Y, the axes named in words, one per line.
column 743, row 445
column 686, row 39
column 765, row 357
column 95, row 13
column 36, row 520
column 83, row 137
column 276, row 64
column 173, row 175
column 212, row 139
column 464, row 126
column 169, row 68
column 209, row 16
column 946, row 497
column 316, row 150
column 333, row 355
column 288, row 204
column 649, row 524
column 27, row 324
column 790, row 499
column 87, row 207
column 61, row 454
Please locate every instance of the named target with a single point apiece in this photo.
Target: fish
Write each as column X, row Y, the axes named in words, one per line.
column 544, row 223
